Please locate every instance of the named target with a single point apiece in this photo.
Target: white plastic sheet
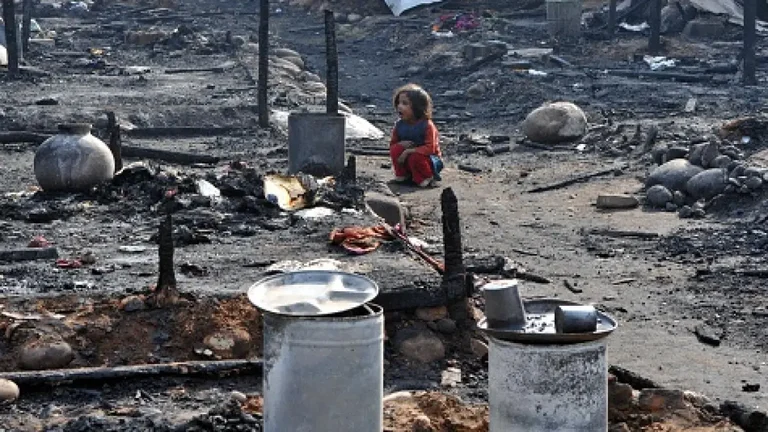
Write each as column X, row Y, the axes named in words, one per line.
column 399, row 6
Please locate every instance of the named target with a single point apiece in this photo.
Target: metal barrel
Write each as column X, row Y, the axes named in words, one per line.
column 316, row 143
column 324, row 374
column 547, row 388
column 575, row 319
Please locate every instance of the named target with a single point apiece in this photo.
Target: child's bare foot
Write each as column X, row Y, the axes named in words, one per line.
column 427, row 182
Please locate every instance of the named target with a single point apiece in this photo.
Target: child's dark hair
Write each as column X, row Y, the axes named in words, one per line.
column 421, row 102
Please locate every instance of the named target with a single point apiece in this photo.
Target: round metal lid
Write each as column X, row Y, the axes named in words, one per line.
column 312, row 292
column 540, row 325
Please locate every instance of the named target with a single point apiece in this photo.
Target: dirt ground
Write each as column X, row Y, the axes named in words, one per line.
column 681, row 274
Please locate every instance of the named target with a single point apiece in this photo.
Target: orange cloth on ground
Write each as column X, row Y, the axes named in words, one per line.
column 360, row 240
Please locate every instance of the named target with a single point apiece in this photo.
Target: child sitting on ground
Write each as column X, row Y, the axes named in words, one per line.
column 414, row 148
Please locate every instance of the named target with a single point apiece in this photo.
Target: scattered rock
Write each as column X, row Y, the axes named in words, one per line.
column 42, row 354
column 709, row 154
column 616, row 201
column 422, row 423
column 420, row 345
column 476, row 90
column 670, row 207
column 721, row 161
column 749, row 172
column 479, row 348
column 142, row 38
column 620, row 395
column 387, row 208
column 239, row 41
column 673, row 175
column 555, row 123
column 238, row 396
column 707, row 184
column 132, row 304
column 753, row 183
column 432, row 313
column 658, row 399
column 658, row 196
column 679, row 198
column 9, row 391
column 685, row 212
column 708, row 334
column 750, row 388
column 229, row 343
column 697, row 150
column 451, row 377
column 676, row 153
column 446, row 326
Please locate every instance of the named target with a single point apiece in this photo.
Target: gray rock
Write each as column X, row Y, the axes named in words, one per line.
column 659, row 153
column 738, row 170
column 132, row 304
column 673, row 175
column 697, row 150
column 670, row 207
column 9, row 391
column 679, row 198
column 754, row 183
column 676, row 152
column 432, row 313
column 239, row 41
column 753, row 172
column 420, row 345
column 555, row 123
column 446, row 326
column 40, row 355
column 616, row 201
column 238, row 396
column 721, row 161
column 685, row 212
column 476, row 90
column 387, row 208
column 285, row 52
column 710, row 153
column 699, row 213
column 707, row 184
column 658, row 196
column 732, row 152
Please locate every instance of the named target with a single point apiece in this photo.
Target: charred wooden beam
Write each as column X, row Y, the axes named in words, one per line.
column 263, row 63
column 654, row 43
column 166, row 292
column 115, row 140
column 26, row 25
column 332, row 60
column 11, row 38
column 750, row 37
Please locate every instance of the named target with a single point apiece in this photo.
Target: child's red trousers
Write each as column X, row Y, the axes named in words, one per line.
column 418, row 166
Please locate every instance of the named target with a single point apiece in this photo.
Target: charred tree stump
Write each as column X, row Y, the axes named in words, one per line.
column 263, row 63
column 166, row 292
column 612, row 17
column 11, row 39
column 332, row 61
column 349, row 175
column 115, row 140
column 26, row 25
column 750, row 35
column 654, row 43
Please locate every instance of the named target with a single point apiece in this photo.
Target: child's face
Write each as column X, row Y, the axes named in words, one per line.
column 404, row 108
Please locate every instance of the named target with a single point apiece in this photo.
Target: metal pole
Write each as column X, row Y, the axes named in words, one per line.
column 332, row 59
column 11, row 29
column 750, row 16
column 26, row 23
column 612, row 17
column 263, row 63
column 654, row 44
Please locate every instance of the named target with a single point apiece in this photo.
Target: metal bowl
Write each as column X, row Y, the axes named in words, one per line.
column 540, row 327
column 312, row 292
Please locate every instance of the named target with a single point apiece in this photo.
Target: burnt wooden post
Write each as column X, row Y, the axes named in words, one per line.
column 115, row 140
column 750, row 16
column 11, row 39
column 654, row 43
column 332, row 61
column 455, row 282
column 166, row 292
column 26, row 25
column 263, row 63
column 612, row 17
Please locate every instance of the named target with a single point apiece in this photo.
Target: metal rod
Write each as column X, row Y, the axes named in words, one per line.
column 26, row 26
column 263, row 63
column 654, row 43
column 750, row 16
column 11, row 31
column 332, row 58
column 612, row 17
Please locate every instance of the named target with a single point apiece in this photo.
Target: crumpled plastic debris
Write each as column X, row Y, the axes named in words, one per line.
column 39, row 242
column 360, row 240
column 459, row 22
column 635, row 27
column 292, row 193
column 659, row 63
column 66, row 263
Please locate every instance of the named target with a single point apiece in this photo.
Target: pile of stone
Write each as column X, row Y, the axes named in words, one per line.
column 688, row 178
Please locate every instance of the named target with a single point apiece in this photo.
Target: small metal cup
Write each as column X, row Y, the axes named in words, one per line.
column 575, row 319
column 503, row 305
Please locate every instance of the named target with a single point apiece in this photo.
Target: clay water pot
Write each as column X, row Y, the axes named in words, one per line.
column 73, row 160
